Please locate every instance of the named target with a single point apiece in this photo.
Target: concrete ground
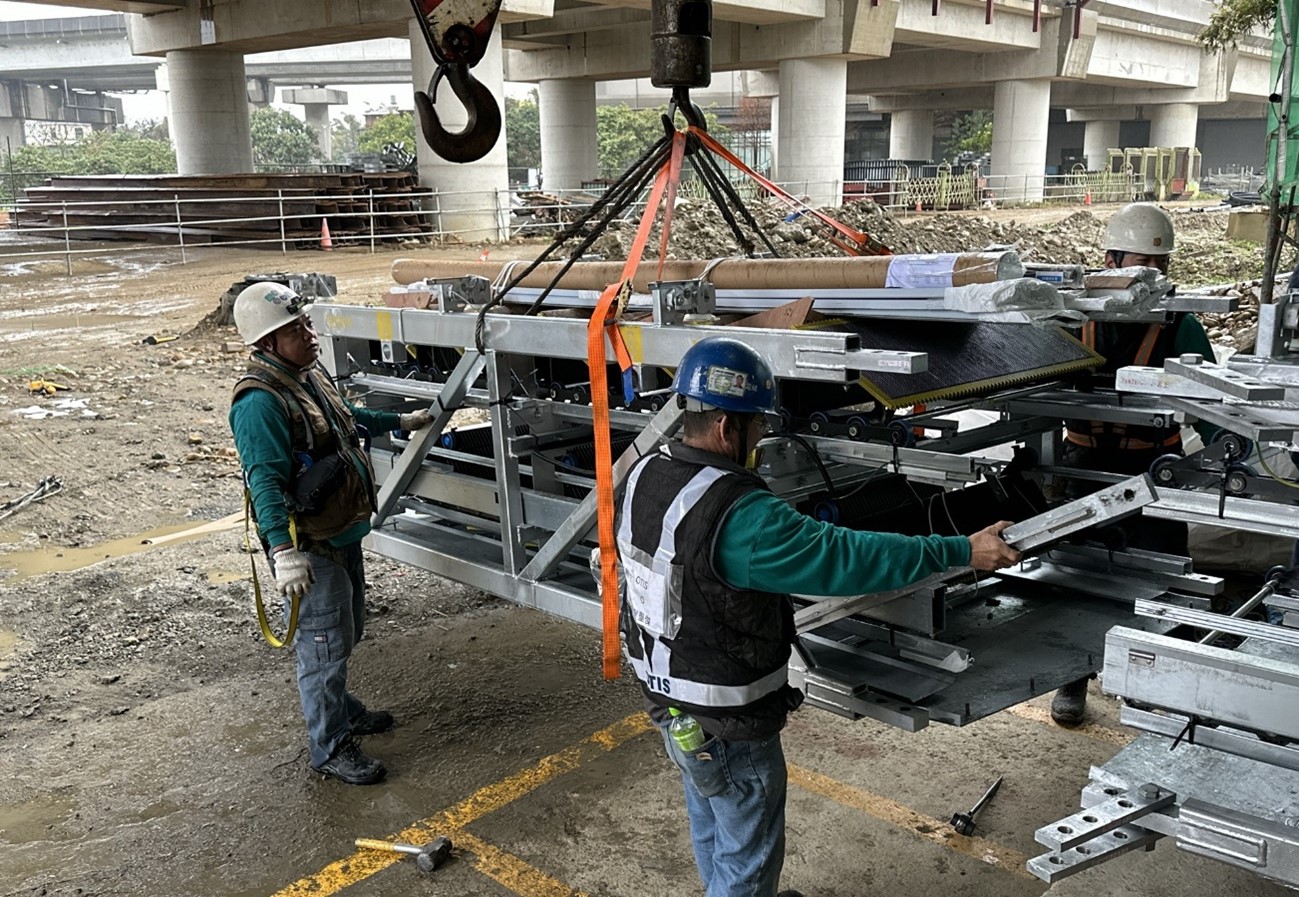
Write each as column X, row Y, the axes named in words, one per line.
column 549, row 781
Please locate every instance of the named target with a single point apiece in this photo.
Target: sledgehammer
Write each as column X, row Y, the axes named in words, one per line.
column 427, row 858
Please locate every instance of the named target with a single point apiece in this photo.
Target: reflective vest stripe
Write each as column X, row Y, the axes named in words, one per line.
column 702, row 694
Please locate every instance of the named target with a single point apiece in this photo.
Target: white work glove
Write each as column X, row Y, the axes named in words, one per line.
column 293, row 574
column 415, row 420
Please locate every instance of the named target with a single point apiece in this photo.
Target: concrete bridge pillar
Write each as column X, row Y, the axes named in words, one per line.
column 317, row 101
column 1174, row 124
column 208, row 103
column 1019, row 119
column 809, row 137
column 568, row 145
column 911, row 134
column 11, row 134
column 1099, row 137
column 474, row 189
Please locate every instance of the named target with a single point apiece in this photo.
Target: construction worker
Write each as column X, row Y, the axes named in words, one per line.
column 312, row 493
column 710, row 557
column 1138, row 235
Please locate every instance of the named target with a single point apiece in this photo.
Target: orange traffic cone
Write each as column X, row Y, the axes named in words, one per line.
column 482, row 257
column 1087, row 198
column 325, row 243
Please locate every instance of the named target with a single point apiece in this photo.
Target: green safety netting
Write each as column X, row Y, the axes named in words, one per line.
column 1283, row 142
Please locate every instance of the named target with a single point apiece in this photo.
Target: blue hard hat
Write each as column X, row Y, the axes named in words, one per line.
column 724, row 373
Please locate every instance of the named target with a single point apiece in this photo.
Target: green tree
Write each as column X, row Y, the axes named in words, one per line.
column 623, row 134
column 522, row 132
column 1233, row 19
column 345, row 135
column 398, row 127
column 971, row 133
column 281, row 138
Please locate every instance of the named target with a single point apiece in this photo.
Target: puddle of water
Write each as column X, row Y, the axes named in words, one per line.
column 31, row 820
column 221, row 577
column 60, row 560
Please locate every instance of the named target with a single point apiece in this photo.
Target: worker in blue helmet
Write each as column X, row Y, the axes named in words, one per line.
column 710, row 557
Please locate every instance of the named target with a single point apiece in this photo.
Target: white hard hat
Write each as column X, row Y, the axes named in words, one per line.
column 1141, row 227
column 265, row 307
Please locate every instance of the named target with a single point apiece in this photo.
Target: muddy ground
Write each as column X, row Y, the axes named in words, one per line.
column 151, row 744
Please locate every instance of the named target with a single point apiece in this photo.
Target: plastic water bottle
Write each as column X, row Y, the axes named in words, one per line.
column 685, row 731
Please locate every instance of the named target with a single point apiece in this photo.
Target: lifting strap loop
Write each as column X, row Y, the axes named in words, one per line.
column 604, row 323
column 262, row 621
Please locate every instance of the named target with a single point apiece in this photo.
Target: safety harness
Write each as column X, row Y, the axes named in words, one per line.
column 1115, row 435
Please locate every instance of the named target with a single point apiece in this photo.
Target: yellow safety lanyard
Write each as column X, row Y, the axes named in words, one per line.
column 257, row 586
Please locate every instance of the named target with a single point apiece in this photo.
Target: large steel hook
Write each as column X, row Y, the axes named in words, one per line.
column 480, row 131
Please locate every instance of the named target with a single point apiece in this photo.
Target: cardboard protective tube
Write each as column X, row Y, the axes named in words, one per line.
column 865, row 272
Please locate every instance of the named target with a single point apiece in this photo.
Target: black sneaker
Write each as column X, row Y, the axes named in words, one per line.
column 350, row 764
column 1070, row 704
column 371, row 722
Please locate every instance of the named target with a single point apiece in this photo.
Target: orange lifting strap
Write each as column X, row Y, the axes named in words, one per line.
column 604, row 325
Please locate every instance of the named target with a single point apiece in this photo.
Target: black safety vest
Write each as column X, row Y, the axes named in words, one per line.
column 695, row 643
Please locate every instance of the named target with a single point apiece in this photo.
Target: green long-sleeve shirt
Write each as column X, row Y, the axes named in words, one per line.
column 765, row 544
column 264, row 439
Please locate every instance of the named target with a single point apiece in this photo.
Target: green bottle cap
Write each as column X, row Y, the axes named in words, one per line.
column 672, row 711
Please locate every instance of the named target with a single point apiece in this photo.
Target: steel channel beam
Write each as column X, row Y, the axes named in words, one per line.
column 961, row 468
column 1247, row 420
column 1126, row 409
column 1159, row 382
column 1245, row 514
column 476, row 564
column 1094, row 821
column 1111, row 503
column 557, row 547
column 1227, row 381
column 1229, row 741
column 465, row 373
column 1271, row 370
column 510, row 493
column 1242, row 690
column 1239, row 839
column 1218, row 622
column 413, row 389
column 798, row 354
column 829, row 610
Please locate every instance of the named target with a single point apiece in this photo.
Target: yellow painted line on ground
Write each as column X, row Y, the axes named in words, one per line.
column 364, row 863
column 1091, row 730
column 512, row 872
column 930, row 829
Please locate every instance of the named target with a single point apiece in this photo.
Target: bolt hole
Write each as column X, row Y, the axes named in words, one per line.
column 1126, row 804
column 1057, row 861
column 1064, row 829
column 1111, row 791
column 1085, row 851
column 1119, row 836
column 1089, row 819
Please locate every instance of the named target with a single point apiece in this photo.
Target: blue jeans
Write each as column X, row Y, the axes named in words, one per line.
column 331, row 619
column 735, row 798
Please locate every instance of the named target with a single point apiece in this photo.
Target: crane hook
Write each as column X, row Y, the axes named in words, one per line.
column 480, row 131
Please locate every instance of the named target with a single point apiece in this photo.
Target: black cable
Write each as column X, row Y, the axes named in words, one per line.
column 706, row 177
column 615, row 192
column 738, row 201
column 811, row 450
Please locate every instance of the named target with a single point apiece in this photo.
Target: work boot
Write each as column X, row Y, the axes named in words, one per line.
column 350, row 764
column 1069, row 704
column 371, row 722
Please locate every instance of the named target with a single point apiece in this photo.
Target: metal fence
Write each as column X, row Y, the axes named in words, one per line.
column 185, row 225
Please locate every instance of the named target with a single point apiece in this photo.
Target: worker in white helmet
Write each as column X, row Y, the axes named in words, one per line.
column 1138, row 235
column 312, row 492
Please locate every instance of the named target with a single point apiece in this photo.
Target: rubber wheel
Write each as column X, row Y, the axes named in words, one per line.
column 1243, row 446
column 1162, row 472
column 900, row 434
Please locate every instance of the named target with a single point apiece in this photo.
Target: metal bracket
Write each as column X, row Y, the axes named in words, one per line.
column 675, row 299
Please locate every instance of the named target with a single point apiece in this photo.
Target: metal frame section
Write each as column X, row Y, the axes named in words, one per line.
column 508, row 506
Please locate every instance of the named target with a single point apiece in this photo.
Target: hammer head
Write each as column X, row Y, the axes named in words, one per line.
column 963, row 823
column 433, row 854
